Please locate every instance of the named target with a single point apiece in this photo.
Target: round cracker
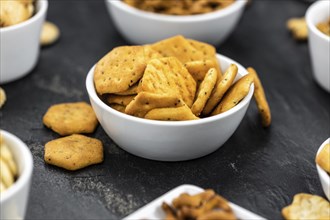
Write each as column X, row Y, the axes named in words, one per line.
column 49, row 33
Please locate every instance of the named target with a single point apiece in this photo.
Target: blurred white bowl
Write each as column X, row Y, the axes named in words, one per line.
column 169, row 141
column 142, row 27
column 13, row 201
column 20, row 45
column 324, row 176
column 319, row 43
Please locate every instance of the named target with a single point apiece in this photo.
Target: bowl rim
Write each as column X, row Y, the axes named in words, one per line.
column 24, row 177
column 93, row 95
column 322, row 173
column 310, row 14
column 238, row 4
column 43, row 6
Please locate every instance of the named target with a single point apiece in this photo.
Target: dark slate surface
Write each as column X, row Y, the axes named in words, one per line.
column 258, row 169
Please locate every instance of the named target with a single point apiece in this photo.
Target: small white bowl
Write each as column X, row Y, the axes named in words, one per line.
column 324, row 176
column 13, row 201
column 20, row 45
column 142, row 27
column 319, row 43
column 169, row 141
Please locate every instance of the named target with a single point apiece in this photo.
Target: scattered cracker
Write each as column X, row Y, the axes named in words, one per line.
column 74, row 152
column 3, row 97
column 298, row 28
column 50, row 33
column 71, row 118
column 221, row 88
column 235, row 94
column 306, row 206
column 204, row 91
column 171, row 114
column 323, row 158
column 260, row 98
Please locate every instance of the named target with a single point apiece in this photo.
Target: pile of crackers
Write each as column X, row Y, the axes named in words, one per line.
column 181, row 7
column 173, row 80
column 204, row 205
column 15, row 11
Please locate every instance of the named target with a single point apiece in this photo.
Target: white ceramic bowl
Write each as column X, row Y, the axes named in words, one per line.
column 319, row 43
column 169, row 141
column 13, row 201
column 324, row 176
column 20, row 45
column 141, row 27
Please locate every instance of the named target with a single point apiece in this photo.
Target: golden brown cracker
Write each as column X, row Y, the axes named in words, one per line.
column 298, row 28
column 71, row 118
column 307, row 206
column 13, row 12
column 324, row 27
column 168, row 75
column 178, row 47
column 235, row 94
column 204, row 91
column 118, row 70
column 221, row 88
column 146, row 101
column 199, row 68
column 49, row 33
column 120, row 99
column 133, row 90
column 6, row 176
column 260, row 98
column 182, row 113
column 120, row 108
column 74, row 152
column 323, row 158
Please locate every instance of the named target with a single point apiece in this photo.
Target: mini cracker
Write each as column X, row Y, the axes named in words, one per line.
column 168, row 75
column 306, row 206
column 118, row 70
column 146, row 101
column 221, row 88
column 71, row 118
column 323, row 158
column 204, row 91
column 120, row 99
column 182, row 113
column 13, row 12
column 49, row 33
column 298, row 28
column 235, row 94
column 120, row 108
column 3, row 97
column 130, row 91
column 73, row 152
column 260, row 98
column 199, row 68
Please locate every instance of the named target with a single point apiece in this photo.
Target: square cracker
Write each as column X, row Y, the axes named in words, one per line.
column 71, row 118
column 171, row 114
column 73, row 152
column 118, row 70
column 120, row 99
column 146, row 101
column 169, row 76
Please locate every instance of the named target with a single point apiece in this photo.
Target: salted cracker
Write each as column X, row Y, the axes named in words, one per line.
column 182, row 113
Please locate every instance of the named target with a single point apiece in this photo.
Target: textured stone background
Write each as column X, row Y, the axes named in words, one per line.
column 258, row 169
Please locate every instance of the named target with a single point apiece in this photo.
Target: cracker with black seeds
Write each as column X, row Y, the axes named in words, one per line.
column 73, row 152
column 204, row 91
column 260, row 98
column 220, row 89
column 71, row 118
column 182, row 113
column 120, row 99
column 235, row 94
